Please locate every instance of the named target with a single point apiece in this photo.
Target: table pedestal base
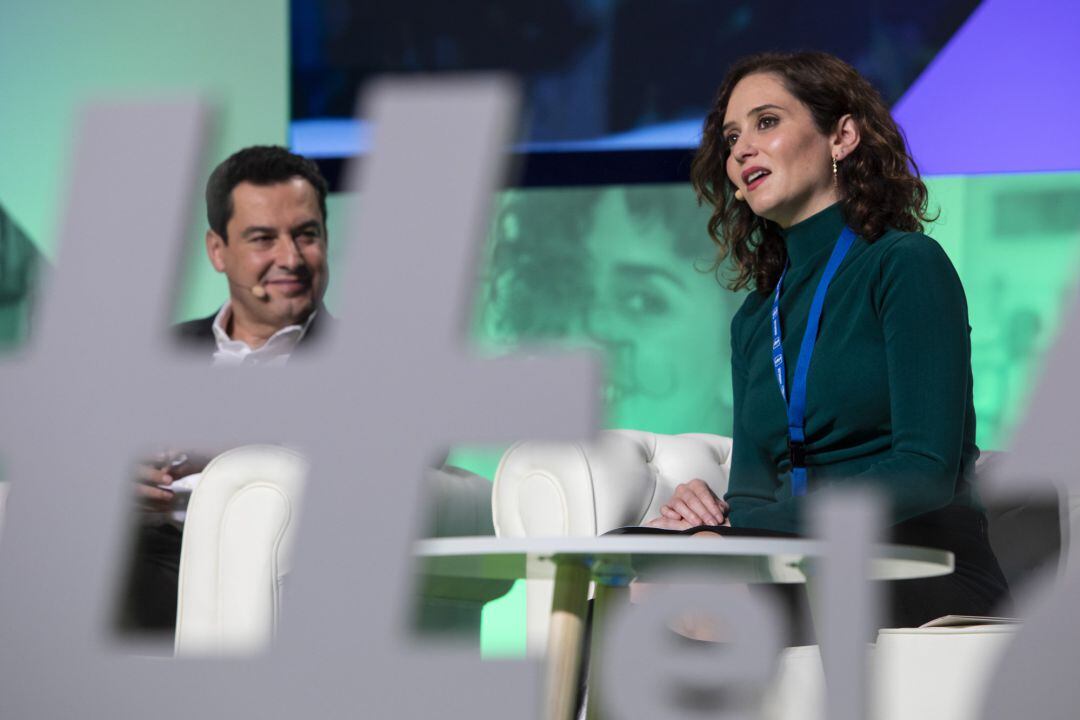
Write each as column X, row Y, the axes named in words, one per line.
column 565, row 637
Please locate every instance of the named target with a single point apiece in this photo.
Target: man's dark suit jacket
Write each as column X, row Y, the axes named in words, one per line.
column 200, row 333
column 150, row 599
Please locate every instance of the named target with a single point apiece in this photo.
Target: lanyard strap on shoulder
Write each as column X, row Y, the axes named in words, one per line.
column 796, row 406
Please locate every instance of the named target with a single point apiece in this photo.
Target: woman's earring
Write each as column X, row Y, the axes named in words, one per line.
column 834, row 171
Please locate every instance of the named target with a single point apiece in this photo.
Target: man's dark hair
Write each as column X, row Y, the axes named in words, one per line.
column 258, row 165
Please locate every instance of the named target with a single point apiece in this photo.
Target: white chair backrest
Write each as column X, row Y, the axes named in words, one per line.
column 545, row 489
column 237, row 546
column 678, row 458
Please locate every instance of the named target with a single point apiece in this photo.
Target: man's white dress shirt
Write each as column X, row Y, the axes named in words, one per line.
column 274, row 352
column 235, row 353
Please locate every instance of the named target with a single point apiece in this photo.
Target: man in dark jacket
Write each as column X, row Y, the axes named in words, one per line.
column 266, row 209
column 267, row 213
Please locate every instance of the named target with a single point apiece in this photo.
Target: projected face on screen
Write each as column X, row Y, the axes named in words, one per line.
column 19, row 260
column 623, row 270
column 662, row 323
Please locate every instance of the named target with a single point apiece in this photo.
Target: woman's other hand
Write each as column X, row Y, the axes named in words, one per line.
column 668, row 524
column 695, row 503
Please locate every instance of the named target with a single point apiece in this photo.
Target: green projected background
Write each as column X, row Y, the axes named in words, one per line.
column 59, row 54
column 1015, row 240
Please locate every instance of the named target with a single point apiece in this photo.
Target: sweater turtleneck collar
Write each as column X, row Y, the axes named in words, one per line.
column 814, row 236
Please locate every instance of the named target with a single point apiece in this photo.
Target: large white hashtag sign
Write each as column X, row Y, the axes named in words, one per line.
column 99, row 384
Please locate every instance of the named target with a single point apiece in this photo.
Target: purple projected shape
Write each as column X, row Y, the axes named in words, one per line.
column 1002, row 95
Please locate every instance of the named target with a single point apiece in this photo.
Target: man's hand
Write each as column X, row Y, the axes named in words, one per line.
column 695, row 503
column 152, row 477
column 151, row 497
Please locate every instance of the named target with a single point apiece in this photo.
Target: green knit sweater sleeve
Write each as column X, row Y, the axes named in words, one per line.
column 924, row 319
column 919, row 302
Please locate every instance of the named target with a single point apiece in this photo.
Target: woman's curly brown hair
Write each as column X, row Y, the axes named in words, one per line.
column 879, row 183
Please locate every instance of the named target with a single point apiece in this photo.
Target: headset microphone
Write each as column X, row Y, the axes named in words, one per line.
column 738, row 195
column 258, row 291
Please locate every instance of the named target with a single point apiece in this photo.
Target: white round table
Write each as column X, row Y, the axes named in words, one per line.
column 615, row 560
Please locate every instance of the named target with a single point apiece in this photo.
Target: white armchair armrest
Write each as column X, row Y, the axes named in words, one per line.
column 236, row 550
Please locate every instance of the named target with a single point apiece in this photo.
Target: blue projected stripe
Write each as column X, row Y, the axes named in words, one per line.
column 979, row 107
column 341, row 138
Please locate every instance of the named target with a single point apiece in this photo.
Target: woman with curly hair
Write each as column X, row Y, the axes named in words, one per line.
column 820, row 208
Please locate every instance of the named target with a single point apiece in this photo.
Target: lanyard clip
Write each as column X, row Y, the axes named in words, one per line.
column 797, row 453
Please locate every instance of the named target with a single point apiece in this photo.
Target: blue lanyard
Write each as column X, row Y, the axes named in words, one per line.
column 796, row 407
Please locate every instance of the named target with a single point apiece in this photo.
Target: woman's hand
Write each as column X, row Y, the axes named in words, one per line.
column 693, row 503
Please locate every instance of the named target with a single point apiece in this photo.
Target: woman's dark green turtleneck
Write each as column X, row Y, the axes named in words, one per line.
column 888, row 398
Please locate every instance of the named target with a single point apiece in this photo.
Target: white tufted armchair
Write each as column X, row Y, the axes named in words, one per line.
column 619, row 478
column 237, row 548
column 588, row 488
